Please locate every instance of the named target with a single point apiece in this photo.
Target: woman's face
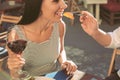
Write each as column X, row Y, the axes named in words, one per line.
column 53, row 9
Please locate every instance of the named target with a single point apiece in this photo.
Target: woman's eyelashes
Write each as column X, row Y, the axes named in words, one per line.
column 55, row 0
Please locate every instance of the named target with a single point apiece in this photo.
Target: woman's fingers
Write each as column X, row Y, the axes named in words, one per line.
column 69, row 66
column 15, row 62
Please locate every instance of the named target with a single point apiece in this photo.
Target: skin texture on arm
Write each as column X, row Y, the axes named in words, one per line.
column 69, row 66
column 91, row 27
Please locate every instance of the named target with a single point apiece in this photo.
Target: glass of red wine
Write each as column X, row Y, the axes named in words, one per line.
column 18, row 47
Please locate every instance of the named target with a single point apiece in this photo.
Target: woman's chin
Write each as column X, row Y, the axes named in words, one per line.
column 59, row 18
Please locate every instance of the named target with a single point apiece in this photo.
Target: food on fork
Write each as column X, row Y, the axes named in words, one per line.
column 69, row 15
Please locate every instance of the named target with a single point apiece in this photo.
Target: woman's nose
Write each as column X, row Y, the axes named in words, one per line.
column 63, row 5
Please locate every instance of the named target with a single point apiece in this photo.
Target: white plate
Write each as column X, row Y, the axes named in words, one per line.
column 43, row 78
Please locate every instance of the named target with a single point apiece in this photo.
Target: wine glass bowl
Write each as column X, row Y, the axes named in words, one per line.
column 17, row 46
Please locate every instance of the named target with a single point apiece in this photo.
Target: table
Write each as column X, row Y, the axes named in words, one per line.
column 89, row 4
column 5, row 6
column 78, row 75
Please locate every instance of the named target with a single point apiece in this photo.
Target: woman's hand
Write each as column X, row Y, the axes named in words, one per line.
column 69, row 66
column 15, row 62
column 88, row 23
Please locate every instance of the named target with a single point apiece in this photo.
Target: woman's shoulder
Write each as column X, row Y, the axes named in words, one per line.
column 61, row 24
column 15, row 26
column 14, row 31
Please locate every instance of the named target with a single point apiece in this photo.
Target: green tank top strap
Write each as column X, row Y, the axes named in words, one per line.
column 55, row 30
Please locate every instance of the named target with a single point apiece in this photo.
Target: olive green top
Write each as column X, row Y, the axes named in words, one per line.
column 41, row 58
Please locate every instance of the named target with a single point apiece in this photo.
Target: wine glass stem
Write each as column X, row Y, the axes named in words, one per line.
column 23, row 75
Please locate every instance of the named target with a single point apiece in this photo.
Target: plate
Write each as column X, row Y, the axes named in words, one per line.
column 43, row 78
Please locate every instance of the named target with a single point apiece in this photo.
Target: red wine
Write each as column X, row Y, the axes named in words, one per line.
column 17, row 46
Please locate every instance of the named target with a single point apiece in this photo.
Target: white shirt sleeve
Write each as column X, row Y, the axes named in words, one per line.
column 115, row 35
column 118, row 72
column 115, row 43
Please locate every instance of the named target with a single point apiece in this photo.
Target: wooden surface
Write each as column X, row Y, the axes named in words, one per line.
column 78, row 75
column 95, row 1
column 43, row 78
column 5, row 6
column 90, row 77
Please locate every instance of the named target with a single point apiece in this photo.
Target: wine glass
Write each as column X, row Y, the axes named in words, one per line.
column 17, row 47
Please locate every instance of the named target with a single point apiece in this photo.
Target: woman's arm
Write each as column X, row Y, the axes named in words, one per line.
column 62, row 56
column 69, row 66
column 15, row 61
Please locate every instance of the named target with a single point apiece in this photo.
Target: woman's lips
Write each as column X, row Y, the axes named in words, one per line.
column 59, row 13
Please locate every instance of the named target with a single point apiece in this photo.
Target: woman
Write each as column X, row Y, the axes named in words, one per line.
column 44, row 30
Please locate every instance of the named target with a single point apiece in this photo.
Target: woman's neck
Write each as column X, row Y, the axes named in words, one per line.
column 40, row 24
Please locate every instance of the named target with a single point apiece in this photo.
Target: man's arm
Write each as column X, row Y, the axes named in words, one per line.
column 91, row 27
